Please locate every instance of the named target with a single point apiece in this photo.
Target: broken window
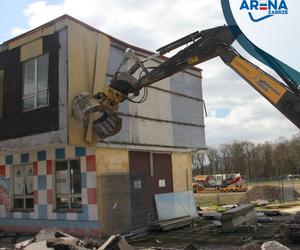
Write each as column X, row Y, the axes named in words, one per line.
column 68, row 185
column 35, row 82
column 1, row 91
column 23, row 187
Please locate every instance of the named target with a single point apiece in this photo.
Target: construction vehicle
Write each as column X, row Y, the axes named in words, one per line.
column 201, row 46
column 219, row 183
column 233, row 184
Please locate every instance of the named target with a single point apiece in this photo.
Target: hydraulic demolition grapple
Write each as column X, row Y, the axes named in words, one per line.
column 202, row 46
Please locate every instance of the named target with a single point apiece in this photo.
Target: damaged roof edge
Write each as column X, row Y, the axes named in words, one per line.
column 4, row 45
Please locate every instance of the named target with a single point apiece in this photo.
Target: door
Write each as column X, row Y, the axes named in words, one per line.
column 141, row 187
column 162, row 169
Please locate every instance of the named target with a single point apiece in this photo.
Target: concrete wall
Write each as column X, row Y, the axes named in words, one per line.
column 172, row 116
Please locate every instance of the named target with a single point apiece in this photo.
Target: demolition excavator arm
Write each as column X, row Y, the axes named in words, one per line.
column 202, row 46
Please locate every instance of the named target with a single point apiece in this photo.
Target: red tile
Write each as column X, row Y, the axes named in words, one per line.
column 35, row 197
column 49, row 196
column 49, row 167
column 91, row 192
column 2, row 170
column 91, row 163
column 35, row 169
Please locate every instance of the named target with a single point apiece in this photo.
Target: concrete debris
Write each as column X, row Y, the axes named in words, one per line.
column 260, row 203
column 57, row 240
column 238, row 218
column 273, row 245
column 262, row 219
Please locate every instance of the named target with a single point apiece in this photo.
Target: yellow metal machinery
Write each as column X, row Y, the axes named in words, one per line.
column 203, row 46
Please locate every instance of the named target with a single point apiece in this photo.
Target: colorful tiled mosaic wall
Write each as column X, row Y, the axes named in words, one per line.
column 44, row 214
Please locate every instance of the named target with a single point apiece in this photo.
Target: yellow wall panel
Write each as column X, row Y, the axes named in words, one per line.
column 182, row 171
column 25, row 39
column 31, row 50
column 111, row 161
column 88, row 57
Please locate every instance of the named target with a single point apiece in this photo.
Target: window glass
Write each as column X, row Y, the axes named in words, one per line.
column 68, row 185
column 29, row 203
column 62, row 203
column 18, row 180
column 29, row 179
column 23, row 187
column 42, row 99
column 18, row 203
column 29, row 77
column 43, row 65
column 35, row 82
column 75, row 177
column 76, row 202
column 28, row 103
column 62, row 176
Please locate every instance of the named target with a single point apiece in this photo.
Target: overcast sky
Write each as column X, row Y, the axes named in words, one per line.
column 235, row 110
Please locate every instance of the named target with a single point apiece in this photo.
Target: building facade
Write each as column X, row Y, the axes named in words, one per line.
column 51, row 174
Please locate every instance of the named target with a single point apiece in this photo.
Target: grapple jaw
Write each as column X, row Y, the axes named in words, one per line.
column 107, row 125
column 100, row 115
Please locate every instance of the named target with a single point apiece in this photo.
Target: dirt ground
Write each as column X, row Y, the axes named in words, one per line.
column 206, row 199
column 204, row 235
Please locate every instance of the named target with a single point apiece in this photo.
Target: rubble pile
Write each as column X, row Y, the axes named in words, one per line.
column 57, row 240
column 265, row 192
column 238, row 218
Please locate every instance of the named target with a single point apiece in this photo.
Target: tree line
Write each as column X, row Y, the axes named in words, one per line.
column 261, row 161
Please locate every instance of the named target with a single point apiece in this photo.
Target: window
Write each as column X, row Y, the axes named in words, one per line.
column 1, row 91
column 23, row 187
column 35, row 82
column 68, row 185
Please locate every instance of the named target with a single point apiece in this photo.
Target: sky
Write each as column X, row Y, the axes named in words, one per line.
column 235, row 110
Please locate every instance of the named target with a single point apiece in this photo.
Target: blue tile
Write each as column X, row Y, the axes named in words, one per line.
column 24, row 158
column 41, row 155
column 80, row 151
column 83, row 180
column 85, row 213
column 42, row 182
column 8, row 159
column 25, row 215
column 42, row 211
column 60, row 153
column 61, row 216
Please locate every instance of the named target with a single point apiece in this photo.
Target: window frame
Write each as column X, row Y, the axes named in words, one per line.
column 36, row 92
column 69, row 195
column 24, row 196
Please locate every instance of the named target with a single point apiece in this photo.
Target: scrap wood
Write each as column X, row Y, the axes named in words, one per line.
column 116, row 242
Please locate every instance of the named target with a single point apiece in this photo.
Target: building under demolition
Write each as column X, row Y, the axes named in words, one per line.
column 50, row 176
